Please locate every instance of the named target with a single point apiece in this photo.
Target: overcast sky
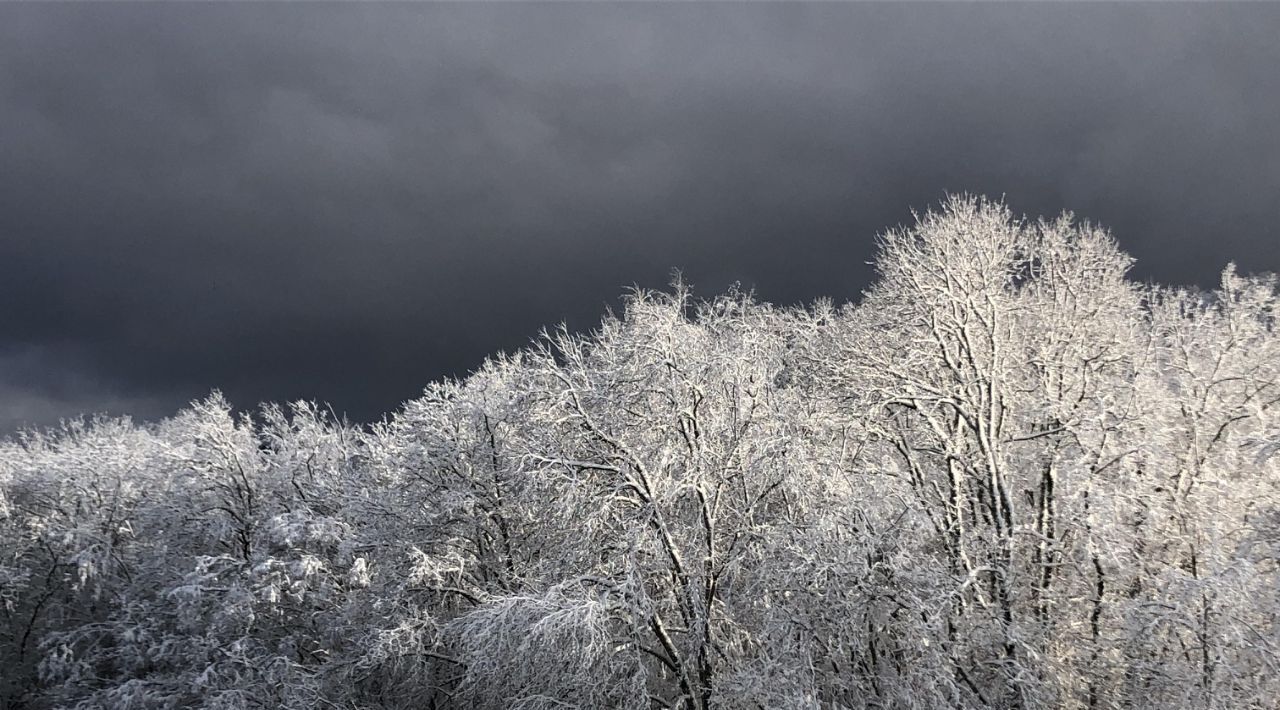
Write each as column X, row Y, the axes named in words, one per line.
column 345, row 202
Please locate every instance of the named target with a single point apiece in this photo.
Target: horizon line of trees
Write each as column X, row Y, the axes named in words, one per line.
column 1009, row 477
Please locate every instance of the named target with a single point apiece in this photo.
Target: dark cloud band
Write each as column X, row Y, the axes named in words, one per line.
column 345, row 202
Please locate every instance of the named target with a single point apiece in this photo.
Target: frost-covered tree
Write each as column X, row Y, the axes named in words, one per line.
column 1007, row 477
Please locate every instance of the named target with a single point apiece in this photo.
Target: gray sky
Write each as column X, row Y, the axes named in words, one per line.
column 344, row 202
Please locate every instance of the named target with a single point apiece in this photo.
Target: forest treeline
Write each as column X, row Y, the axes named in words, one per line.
column 1008, row 477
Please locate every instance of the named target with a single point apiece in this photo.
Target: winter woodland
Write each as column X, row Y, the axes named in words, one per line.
column 1008, row 477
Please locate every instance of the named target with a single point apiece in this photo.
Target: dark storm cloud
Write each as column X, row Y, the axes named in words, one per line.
column 347, row 201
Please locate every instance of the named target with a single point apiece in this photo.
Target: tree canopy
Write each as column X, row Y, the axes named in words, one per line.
column 1009, row 477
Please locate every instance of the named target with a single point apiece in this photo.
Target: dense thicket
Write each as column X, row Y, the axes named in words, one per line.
column 1009, row 477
